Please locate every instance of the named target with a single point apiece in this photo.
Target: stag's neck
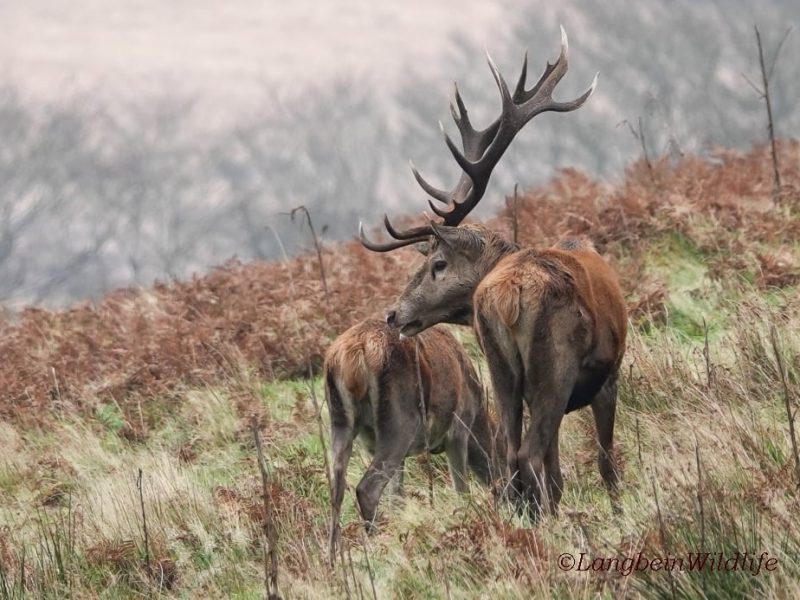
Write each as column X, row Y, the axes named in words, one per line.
column 495, row 250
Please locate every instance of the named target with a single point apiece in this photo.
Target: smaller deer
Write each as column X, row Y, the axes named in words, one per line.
column 372, row 377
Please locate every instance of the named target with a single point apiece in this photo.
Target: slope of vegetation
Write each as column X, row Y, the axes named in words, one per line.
column 171, row 381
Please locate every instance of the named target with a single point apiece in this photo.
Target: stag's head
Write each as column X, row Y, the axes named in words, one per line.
column 457, row 258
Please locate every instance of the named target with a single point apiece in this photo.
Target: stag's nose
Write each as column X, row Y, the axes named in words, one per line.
column 391, row 318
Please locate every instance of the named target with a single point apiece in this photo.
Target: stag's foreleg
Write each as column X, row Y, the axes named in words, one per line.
column 604, row 408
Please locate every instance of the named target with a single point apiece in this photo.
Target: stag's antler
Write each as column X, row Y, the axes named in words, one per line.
column 482, row 150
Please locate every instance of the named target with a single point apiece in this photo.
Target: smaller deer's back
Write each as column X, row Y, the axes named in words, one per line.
column 370, row 357
column 448, row 377
column 371, row 349
column 370, row 345
column 358, row 352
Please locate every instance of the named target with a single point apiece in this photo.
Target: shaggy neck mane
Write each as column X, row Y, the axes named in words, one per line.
column 495, row 246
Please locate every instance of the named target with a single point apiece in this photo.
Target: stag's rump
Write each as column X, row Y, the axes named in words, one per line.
column 553, row 307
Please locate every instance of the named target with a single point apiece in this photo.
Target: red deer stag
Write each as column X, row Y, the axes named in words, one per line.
column 372, row 388
column 551, row 322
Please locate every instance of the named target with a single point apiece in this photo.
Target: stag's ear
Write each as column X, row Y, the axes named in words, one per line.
column 423, row 248
column 463, row 241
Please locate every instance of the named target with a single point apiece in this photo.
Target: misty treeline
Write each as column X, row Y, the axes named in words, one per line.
column 96, row 197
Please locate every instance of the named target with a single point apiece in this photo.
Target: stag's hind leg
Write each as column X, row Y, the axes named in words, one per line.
column 538, row 456
column 456, row 448
column 555, row 481
column 604, row 408
column 505, row 370
column 398, row 480
column 552, row 368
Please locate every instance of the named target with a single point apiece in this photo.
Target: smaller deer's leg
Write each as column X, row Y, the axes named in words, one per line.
column 456, row 449
column 604, row 408
column 385, row 464
column 396, row 428
column 342, row 436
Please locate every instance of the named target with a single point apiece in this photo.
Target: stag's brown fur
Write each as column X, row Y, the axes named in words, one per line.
column 552, row 324
column 372, row 389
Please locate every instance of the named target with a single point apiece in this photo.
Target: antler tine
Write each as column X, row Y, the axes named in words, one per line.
column 473, row 142
column 434, row 192
column 415, row 233
column 388, row 246
column 466, row 165
column 471, row 139
column 552, row 72
column 505, row 95
column 462, row 117
column 519, row 91
column 476, row 172
column 463, row 189
column 439, row 211
column 517, row 110
column 578, row 102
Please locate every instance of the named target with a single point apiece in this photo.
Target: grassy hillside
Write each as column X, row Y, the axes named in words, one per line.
column 171, row 381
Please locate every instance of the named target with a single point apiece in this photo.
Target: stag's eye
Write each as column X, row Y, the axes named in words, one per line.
column 437, row 267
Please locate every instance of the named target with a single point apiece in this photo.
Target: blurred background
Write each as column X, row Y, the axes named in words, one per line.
column 142, row 140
